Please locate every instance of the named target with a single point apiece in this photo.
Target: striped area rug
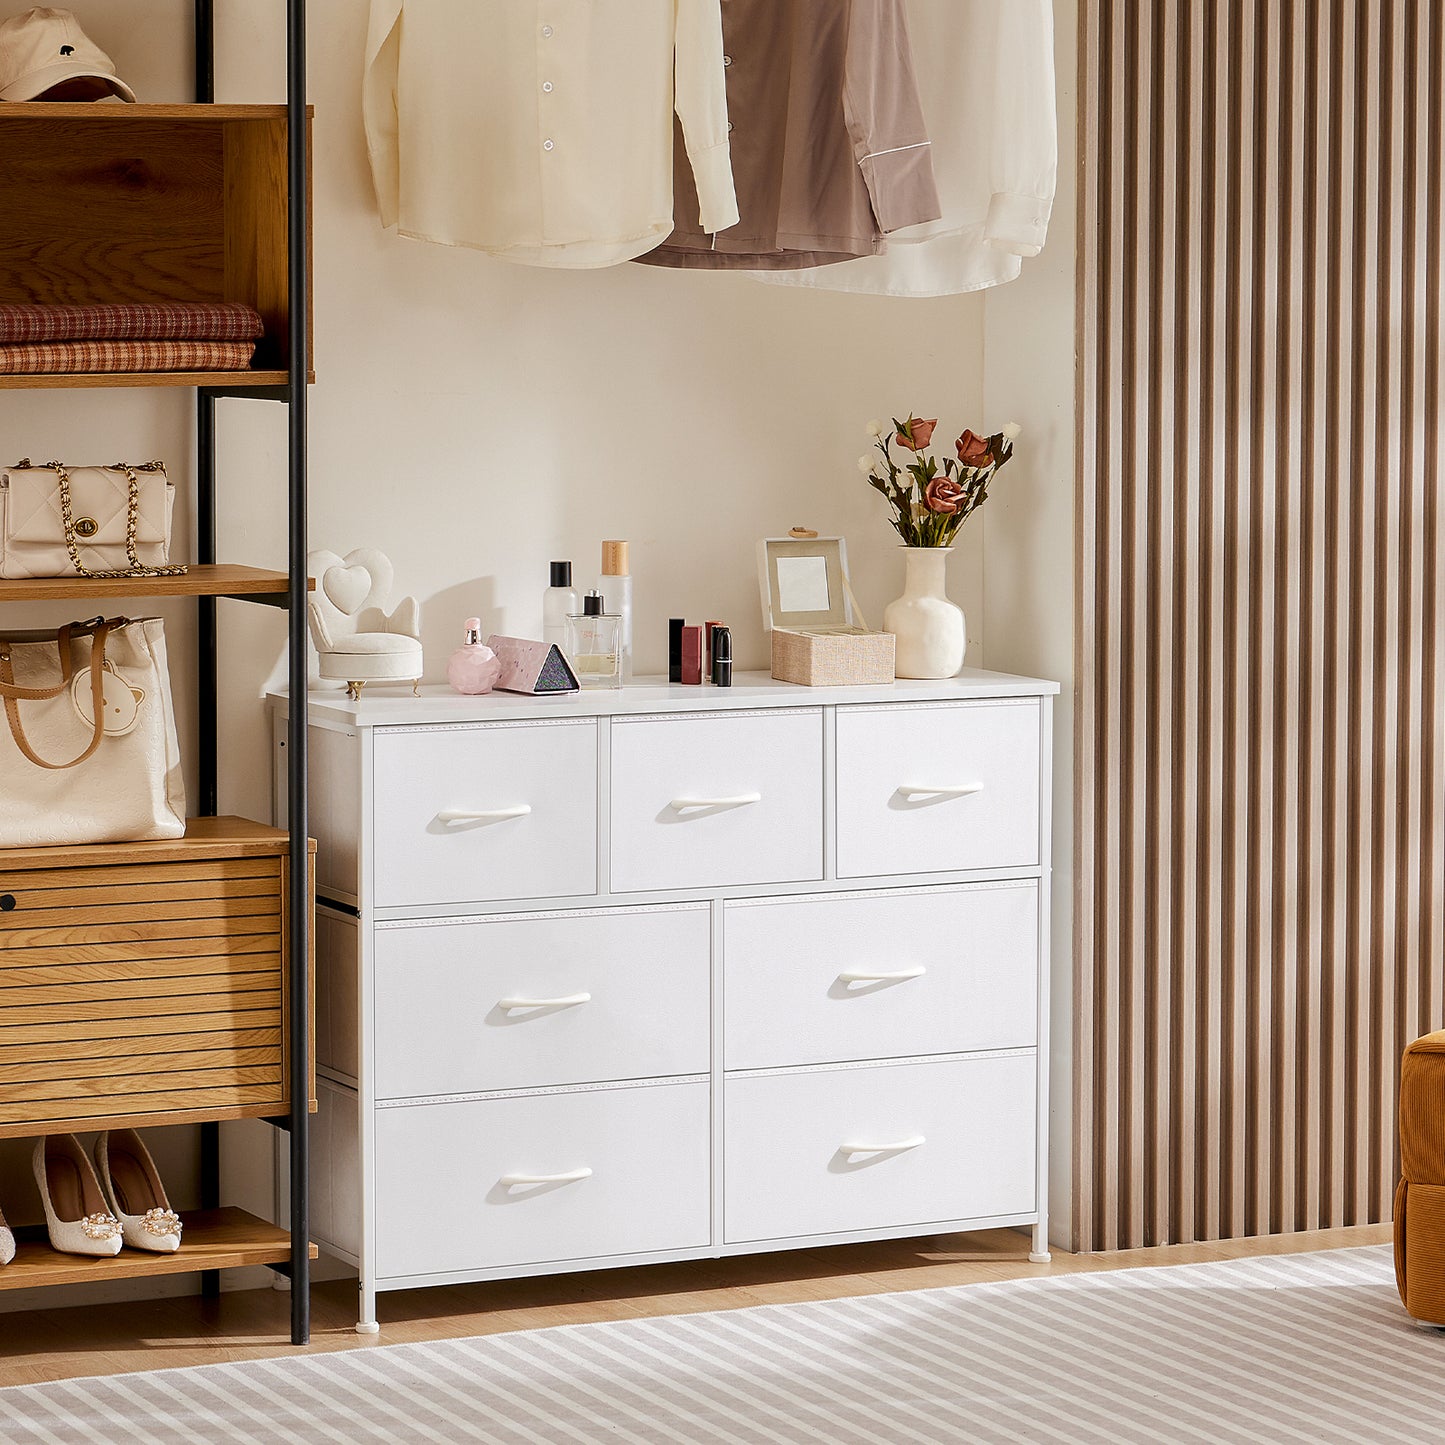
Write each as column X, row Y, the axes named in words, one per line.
column 1311, row 1348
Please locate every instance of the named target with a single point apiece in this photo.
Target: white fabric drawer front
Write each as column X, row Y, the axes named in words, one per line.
column 891, row 1145
column 880, row 976
column 525, row 1002
column 937, row 788
column 617, row 1171
column 477, row 814
column 717, row 800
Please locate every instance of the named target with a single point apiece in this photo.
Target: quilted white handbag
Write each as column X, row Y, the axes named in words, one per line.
column 59, row 521
column 89, row 753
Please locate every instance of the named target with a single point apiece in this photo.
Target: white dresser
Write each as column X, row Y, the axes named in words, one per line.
column 676, row 972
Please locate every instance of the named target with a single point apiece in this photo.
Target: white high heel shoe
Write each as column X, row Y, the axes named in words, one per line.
column 7, row 1241
column 75, row 1211
column 133, row 1187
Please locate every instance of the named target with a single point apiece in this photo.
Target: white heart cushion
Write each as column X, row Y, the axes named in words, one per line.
column 347, row 588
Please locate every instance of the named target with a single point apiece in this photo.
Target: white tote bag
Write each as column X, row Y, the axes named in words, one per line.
column 88, row 751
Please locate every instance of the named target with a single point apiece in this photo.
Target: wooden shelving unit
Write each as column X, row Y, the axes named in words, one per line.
column 211, row 1239
column 147, row 204
column 222, row 579
column 96, row 379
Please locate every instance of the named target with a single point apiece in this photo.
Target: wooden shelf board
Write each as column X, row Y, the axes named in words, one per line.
column 221, row 580
column 204, row 838
column 107, row 113
column 210, row 1239
column 83, row 380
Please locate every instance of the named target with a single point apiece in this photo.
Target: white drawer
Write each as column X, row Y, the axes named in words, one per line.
column 444, row 1203
column 981, row 763
column 755, row 781
column 790, row 1174
column 963, row 960
column 532, row 791
column 615, row 994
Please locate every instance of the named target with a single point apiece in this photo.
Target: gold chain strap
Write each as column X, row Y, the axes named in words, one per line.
column 132, row 523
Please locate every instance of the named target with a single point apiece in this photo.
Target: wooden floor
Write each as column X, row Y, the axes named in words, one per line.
column 160, row 1334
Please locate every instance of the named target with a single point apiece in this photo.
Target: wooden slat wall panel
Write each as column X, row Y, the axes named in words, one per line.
column 1261, row 740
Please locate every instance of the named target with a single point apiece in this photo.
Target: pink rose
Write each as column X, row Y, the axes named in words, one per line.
column 915, row 434
column 974, row 450
column 944, row 496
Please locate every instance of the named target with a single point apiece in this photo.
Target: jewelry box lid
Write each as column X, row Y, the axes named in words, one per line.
column 804, row 584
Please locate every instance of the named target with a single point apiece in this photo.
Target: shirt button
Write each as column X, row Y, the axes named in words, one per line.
column 547, row 145
column 730, row 125
column 547, row 86
column 546, row 32
column 727, row 60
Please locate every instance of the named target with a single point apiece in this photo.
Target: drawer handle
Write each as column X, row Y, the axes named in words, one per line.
column 495, row 815
column 742, row 800
column 964, row 790
column 511, row 1180
column 571, row 1001
column 902, row 975
column 901, row 1147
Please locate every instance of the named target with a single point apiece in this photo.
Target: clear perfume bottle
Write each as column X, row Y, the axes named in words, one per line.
column 594, row 644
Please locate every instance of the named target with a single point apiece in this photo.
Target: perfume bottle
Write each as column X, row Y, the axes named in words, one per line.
column 594, row 644
column 473, row 669
column 615, row 585
column 559, row 602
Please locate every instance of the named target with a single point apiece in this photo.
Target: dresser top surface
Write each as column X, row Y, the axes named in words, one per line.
column 392, row 705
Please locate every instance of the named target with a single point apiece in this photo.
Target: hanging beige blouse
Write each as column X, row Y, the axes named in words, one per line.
column 542, row 130
column 829, row 146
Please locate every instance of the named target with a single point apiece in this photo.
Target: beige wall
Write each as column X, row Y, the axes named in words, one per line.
column 1028, row 584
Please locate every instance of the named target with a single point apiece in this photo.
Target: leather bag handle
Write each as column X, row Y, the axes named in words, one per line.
column 14, row 695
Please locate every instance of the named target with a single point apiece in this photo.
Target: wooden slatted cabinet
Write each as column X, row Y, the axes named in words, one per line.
column 146, row 983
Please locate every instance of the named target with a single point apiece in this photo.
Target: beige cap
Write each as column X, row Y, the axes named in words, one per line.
column 614, row 559
column 44, row 48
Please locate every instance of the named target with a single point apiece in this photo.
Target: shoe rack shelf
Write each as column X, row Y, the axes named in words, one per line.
column 212, row 1239
column 112, row 203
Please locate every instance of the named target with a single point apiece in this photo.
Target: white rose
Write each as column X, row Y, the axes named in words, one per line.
column 1011, row 431
column 864, row 465
column 875, row 428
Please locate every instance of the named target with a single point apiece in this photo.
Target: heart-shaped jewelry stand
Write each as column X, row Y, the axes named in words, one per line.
column 356, row 640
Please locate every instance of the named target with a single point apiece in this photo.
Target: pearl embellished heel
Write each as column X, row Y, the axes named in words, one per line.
column 133, row 1186
column 75, row 1211
column 7, row 1241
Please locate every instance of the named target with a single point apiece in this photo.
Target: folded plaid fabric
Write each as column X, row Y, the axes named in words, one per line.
column 69, row 357
column 171, row 321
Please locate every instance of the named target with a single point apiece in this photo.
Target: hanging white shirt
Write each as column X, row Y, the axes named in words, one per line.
column 541, row 130
column 985, row 73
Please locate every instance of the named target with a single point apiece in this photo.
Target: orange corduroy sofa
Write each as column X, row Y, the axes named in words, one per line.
column 1420, row 1196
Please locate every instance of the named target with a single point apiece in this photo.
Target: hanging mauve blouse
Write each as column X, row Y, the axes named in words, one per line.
column 830, row 151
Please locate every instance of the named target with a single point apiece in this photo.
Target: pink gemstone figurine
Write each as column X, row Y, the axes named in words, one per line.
column 473, row 668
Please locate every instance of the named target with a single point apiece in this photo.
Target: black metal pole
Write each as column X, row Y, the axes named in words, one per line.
column 206, row 632
column 205, row 51
column 298, row 222
column 208, row 718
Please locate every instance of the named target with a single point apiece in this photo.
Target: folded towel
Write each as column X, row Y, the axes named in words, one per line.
column 71, row 357
column 169, row 321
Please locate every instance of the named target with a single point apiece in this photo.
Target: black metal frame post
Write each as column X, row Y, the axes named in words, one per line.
column 298, row 1123
column 208, row 711
column 299, row 306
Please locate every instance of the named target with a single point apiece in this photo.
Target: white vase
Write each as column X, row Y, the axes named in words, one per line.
column 929, row 628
